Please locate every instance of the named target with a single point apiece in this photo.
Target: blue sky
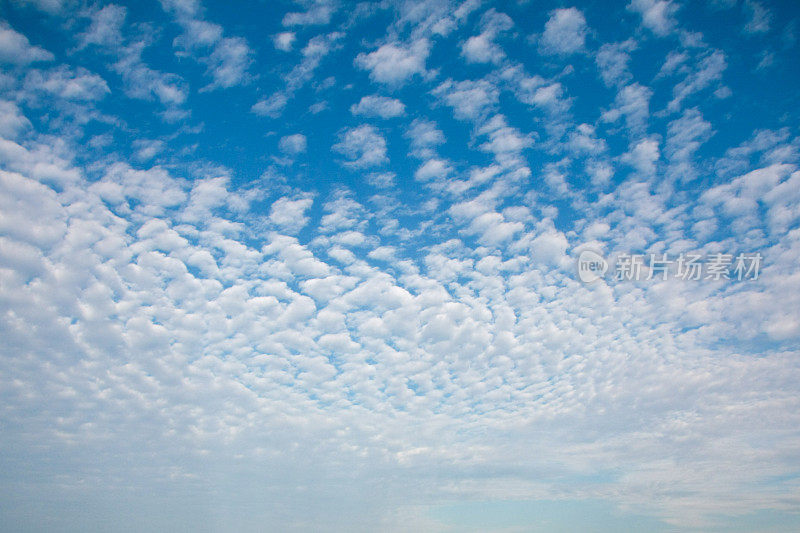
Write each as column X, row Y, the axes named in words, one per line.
column 311, row 266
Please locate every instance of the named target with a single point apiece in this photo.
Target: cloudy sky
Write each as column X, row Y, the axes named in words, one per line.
column 311, row 265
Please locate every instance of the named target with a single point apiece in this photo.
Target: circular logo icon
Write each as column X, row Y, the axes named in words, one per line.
column 591, row 266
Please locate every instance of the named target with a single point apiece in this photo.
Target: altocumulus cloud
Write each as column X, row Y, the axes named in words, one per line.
column 313, row 267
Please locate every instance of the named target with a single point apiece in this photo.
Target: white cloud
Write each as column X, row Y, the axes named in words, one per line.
column 675, row 62
column 189, row 323
column 270, row 107
column 313, row 53
column 503, row 139
column 494, row 22
column 198, row 34
column 145, row 83
column 378, row 106
column 363, row 146
column 685, row 135
column 760, row 17
column 742, row 194
column 284, row 41
column 343, row 213
column 12, row 120
column 51, row 7
column 16, row 49
column 767, row 60
column 612, row 61
column 600, row 172
column 173, row 326
column 383, row 253
column 154, row 188
column 547, row 95
column 633, row 103
column 140, row 81
column 61, row 82
column 43, row 162
column 227, row 59
column 394, row 63
column 493, row 228
column 433, row 169
column 643, row 156
column 564, row 32
column 584, row 140
column 106, row 27
column 550, row 247
column 709, row 70
column 228, row 63
column 424, row 137
column 289, row 215
column 657, row 15
column 293, row 144
column 469, row 99
column 23, row 198
column 478, row 218
column 482, row 48
column 318, row 12
column 147, row 149
column 382, row 180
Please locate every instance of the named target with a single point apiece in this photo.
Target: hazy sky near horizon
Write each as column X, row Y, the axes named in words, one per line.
column 311, row 265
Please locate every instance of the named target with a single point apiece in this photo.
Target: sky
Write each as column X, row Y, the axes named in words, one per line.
column 321, row 265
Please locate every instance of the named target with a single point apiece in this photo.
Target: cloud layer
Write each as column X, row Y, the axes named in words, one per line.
column 319, row 273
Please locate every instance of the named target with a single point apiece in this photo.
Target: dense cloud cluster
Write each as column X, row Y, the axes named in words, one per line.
column 384, row 316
